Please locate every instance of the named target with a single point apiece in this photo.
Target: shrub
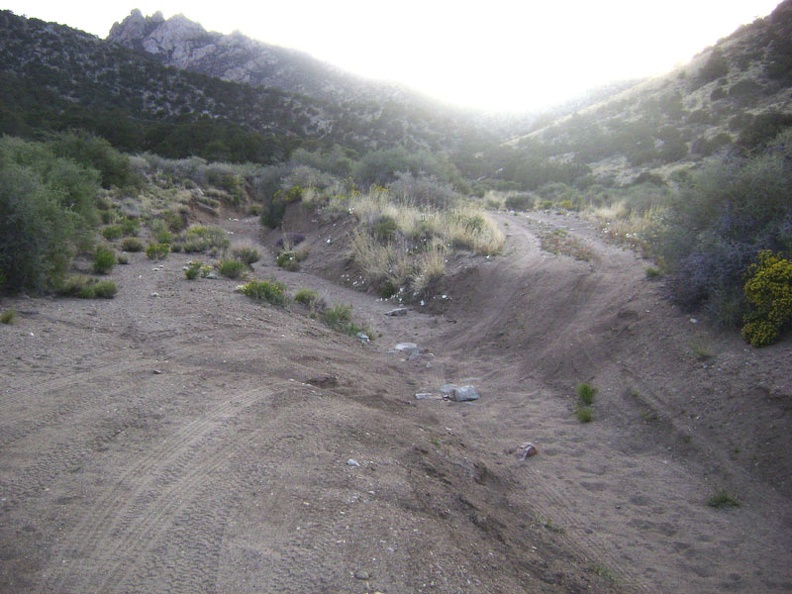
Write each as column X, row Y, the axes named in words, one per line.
column 520, row 202
column 717, row 225
column 584, row 414
column 195, row 269
column 8, row 316
column 723, row 499
column 130, row 227
column 232, row 268
column 249, row 254
column 122, row 259
column 288, row 261
column 202, row 238
column 47, row 214
column 270, row 291
column 384, row 229
column 192, row 270
column 104, row 260
column 86, row 287
column 131, row 244
column 157, row 251
column 104, row 289
column 112, row 232
column 311, row 300
column 339, row 318
column 586, row 393
column 307, row 297
column 769, row 294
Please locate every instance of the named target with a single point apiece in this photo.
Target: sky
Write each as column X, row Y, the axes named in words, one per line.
column 497, row 55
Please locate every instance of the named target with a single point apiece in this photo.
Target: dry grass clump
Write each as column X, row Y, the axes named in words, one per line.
column 402, row 246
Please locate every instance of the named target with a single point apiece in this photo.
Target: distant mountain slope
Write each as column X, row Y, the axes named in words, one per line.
column 733, row 96
column 54, row 77
column 185, row 44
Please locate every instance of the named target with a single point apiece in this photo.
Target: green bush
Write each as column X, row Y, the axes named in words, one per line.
column 769, row 294
column 288, row 261
column 8, row 316
column 232, row 268
column 339, row 318
column 104, row 260
column 47, row 214
column 384, row 228
column 96, row 153
column 586, row 393
column 86, row 287
column 246, row 253
column 112, row 232
column 104, row 289
column 192, row 270
column 202, row 238
column 584, row 414
column 717, row 225
column 307, row 297
column 270, row 291
column 723, row 499
column 157, row 251
column 131, row 244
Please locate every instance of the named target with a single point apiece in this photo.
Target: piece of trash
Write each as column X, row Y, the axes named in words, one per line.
column 528, row 449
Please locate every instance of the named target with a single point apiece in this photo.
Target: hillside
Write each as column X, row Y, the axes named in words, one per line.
column 184, row 44
column 55, row 77
column 731, row 97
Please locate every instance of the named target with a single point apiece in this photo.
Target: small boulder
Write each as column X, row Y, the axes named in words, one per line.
column 460, row 393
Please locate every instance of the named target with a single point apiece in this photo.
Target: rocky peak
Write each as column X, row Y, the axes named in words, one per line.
column 187, row 45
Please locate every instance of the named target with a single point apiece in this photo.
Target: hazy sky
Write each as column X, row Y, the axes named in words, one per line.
column 495, row 54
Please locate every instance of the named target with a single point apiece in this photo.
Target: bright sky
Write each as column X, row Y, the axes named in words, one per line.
column 508, row 55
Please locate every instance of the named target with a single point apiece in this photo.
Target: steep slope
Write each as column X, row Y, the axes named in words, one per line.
column 185, row 44
column 55, row 77
column 735, row 95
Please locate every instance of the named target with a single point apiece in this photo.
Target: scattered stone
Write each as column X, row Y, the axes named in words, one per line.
column 459, row 393
column 428, row 396
column 362, row 575
column 408, row 348
column 156, row 371
column 323, row 381
column 352, row 462
column 154, row 294
column 399, row 311
column 363, row 337
column 528, row 449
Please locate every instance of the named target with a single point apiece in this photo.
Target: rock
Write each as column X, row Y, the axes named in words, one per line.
column 399, row 311
column 408, row 348
column 323, row 381
column 527, row 450
column 362, row 575
column 459, row 393
column 363, row 337
column 352, row 462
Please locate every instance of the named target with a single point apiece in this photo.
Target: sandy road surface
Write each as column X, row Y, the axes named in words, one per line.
column 181, row 438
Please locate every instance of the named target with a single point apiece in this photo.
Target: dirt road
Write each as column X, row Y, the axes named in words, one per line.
column 182, row 438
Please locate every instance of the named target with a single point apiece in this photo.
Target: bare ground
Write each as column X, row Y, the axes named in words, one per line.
column 182, row 438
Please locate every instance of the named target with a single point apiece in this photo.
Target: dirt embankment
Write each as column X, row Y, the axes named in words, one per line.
column 181, row 438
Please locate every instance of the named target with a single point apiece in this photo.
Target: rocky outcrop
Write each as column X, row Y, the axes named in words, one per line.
column 184, row 44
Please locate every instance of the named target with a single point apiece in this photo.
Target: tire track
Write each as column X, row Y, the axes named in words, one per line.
column 126, row 522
